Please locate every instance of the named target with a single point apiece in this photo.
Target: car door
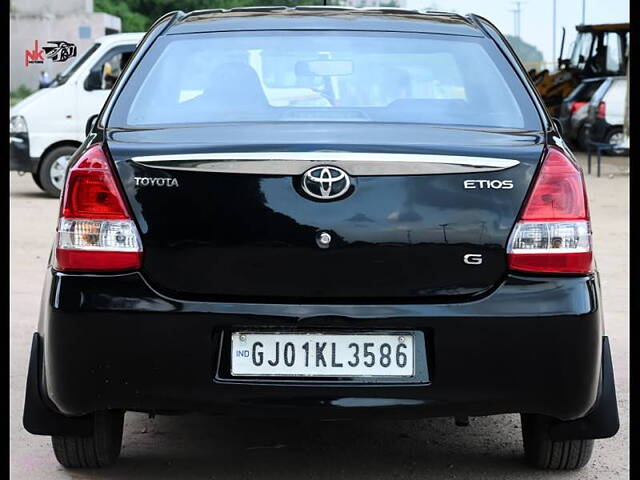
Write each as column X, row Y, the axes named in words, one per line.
column 94, row 87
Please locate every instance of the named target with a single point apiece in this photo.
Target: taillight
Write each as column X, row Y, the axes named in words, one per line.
column 575, row 106
column 602, row 110
column 553, row 234
column 95, row 230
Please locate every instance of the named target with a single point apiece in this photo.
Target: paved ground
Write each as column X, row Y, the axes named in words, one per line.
column 208, row 448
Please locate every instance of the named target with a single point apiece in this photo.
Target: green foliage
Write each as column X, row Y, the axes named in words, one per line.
column 18, row 94
column 138, row 15
column 132, row 21
column 21, row 92
column 528, row 54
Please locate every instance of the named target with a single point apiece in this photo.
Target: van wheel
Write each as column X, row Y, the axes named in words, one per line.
column 547, row 454
column 100, row 449
column 36, row 179
column 53, row 168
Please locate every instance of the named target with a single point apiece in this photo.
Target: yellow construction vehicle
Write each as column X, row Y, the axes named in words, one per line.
column 598, row 51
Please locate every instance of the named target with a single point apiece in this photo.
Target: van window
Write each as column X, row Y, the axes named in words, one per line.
column 112, row 65
column 336, row 76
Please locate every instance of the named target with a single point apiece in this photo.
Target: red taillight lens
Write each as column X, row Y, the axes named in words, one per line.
column 91, row 191
column 95, row 231
column 553, row 234
column 558, row 192
column 602, row 110
column 575, row 106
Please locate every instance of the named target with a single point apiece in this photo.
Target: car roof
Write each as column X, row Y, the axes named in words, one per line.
column 324, row 18
column 120, row 37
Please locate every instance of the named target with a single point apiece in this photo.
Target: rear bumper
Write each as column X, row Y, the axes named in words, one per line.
column 531, row 346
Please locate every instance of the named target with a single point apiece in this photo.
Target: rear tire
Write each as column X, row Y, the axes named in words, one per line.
column 36, row 179
column 100, row 449
column 543, row 452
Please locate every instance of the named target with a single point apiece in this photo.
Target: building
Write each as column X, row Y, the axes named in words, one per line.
column 72, row 21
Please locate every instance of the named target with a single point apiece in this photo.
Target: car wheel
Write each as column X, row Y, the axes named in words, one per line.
column 100, row 449
column 53, row 169
column 543, row 452
column 614, row 137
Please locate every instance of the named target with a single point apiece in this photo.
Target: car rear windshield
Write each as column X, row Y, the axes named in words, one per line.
column 334, row 76
column 587, row 90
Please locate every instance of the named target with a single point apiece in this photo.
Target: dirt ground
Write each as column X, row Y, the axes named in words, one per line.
column 201, row 447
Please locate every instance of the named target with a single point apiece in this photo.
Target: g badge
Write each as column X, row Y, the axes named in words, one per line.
column 472, row 259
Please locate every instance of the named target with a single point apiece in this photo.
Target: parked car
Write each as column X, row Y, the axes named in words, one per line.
column 419, row 245
column 605, row 112
column 49, row 125
column 573, row 112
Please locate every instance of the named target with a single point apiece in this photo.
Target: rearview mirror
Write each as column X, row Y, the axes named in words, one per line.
column 324, row 68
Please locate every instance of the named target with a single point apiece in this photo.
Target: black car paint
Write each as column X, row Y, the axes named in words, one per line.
column 266, row 253
column 90, row 313
column 530, row 343
column 253, row 236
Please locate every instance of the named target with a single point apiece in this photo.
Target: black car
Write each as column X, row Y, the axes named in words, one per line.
column 324, row 213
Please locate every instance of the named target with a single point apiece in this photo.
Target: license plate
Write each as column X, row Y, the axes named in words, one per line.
column 322, row 355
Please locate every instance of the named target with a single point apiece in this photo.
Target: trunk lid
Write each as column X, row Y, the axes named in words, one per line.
column 217, row 223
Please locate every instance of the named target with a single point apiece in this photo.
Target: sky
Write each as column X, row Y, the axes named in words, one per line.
column 536, row 17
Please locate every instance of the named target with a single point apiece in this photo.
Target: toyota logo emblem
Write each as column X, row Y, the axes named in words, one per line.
column 325, row 183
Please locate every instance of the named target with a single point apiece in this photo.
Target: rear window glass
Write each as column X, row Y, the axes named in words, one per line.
column 587, row 90
column 333, row 76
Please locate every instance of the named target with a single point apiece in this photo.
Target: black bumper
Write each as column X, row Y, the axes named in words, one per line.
column 531, row 346
column 19, row 158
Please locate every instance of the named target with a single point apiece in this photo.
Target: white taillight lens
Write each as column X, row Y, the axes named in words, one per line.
column 559, row 237
column 114, row 235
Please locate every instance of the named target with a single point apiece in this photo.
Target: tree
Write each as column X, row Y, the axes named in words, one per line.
column 528, row 54
column 138, row 15
column 132, row 21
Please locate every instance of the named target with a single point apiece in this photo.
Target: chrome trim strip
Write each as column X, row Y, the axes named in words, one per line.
column 354, row 163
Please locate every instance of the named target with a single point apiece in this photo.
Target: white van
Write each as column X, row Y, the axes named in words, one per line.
column 48, row 126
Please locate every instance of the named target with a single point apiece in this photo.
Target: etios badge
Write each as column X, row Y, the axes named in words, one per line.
column 325, row 183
